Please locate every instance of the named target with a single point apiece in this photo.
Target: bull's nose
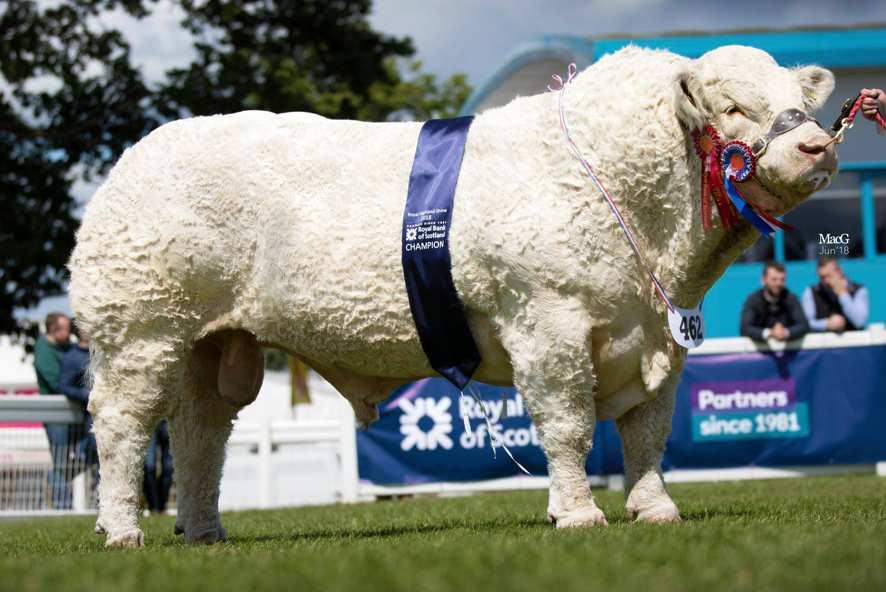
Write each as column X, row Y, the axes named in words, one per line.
column 816, row 145
column 822, row 149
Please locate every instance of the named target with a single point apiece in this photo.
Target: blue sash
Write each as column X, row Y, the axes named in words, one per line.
column 427, row 268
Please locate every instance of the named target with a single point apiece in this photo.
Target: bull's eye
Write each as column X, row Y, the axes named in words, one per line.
column 734, row 110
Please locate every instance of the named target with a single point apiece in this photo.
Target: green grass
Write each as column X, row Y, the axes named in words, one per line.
column 816, row 533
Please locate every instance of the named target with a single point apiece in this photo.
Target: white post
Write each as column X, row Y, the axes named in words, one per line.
column 78, row 489
column 615, row 482
column 265, row 449
column 348, row 452
column 881, row 469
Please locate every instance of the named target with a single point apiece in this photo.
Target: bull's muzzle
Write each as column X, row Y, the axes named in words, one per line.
column 822, row 151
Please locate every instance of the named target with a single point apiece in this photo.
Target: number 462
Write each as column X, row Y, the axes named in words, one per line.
column 691, row 327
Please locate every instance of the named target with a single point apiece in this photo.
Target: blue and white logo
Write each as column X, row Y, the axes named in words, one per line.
column 426, row 423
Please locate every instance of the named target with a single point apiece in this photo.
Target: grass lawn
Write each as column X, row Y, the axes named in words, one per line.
column 814, row 533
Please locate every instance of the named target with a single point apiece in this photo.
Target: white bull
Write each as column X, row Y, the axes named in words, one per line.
column 215, row 235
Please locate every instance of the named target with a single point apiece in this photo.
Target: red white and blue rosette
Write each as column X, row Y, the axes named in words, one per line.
column 738, row 160
column 739, row 164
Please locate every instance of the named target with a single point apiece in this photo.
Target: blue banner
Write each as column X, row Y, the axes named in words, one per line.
column 797, row 407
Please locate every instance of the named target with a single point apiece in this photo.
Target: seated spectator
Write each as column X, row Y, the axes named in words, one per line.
column 835, row 303
column 773, row 312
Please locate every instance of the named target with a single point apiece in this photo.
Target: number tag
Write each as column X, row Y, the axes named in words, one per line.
column 687, row 326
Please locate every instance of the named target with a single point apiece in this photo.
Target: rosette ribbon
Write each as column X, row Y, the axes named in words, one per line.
column 708, row 147
column 739, row 164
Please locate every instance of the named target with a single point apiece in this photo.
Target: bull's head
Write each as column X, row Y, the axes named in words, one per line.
column 747, row 96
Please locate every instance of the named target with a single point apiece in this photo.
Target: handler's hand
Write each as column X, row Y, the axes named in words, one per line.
column 835, row 323
column 875, row 100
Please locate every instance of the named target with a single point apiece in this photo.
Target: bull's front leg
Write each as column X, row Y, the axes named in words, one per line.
column 550, row 354
column 644, row 432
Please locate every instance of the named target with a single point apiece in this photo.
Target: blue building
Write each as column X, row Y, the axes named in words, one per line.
column 854, row 204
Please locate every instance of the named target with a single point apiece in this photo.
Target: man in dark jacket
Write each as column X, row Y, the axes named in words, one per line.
column 74, row 384
column 72, row 375
column 773, row 312
column 48, row 352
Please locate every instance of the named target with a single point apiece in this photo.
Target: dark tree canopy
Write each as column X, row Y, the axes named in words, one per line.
column 72, row 101
column 312, row 55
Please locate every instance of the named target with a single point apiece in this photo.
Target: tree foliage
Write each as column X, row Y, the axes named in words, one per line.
column 313, row 55
column 72, row 100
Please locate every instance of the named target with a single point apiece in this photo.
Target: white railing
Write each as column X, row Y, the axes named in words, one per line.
column 269, row 464
column 293, row 462
column 39, row 408
column 29, row 481
column 875, row 334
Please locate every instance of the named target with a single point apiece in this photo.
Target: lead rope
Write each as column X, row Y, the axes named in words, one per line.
column 560, row 89
column 848, row 121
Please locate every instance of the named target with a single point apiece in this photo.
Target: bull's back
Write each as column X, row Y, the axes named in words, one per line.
column 326, row 277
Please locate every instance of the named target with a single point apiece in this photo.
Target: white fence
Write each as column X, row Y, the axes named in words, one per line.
column 269, row 464
column 30, row 482
column 294, row 462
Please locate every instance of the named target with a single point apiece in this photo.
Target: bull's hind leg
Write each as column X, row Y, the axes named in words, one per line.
column 129, row 395
column 550, row 354
column 644, row 432
column 224, row 374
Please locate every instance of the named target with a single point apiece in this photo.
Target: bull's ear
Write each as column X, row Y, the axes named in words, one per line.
column 817, row 84
column 689, row 99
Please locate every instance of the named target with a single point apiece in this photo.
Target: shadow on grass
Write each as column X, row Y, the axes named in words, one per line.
column 343, row 534
column 382, row 533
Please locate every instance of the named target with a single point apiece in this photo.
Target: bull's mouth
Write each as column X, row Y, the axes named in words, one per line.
column 819, row 179
column 784, row 199
column 763, row 196
column 775, row 201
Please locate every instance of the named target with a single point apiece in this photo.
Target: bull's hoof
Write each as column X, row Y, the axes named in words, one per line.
column 208, row 536
column 130, row 539
column 662, row 513
column 583, row 517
